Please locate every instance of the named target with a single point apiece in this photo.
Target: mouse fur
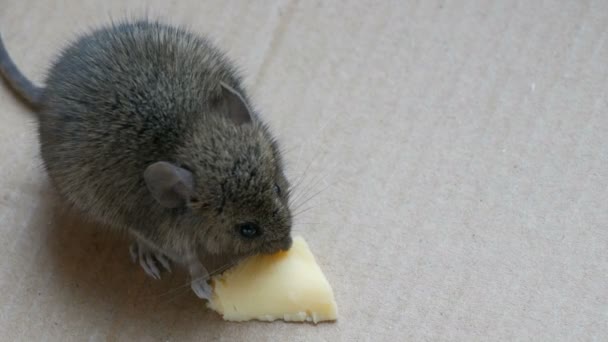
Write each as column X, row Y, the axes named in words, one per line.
column 146, row 128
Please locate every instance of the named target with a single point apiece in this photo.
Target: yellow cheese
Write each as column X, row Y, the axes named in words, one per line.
column 287, row 285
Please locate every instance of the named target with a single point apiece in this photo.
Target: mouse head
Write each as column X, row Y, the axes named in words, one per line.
column 227, row 183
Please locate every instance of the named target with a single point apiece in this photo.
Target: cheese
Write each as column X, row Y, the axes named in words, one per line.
column 287, row 285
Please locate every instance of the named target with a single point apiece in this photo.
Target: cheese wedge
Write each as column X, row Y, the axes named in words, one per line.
column 287, row 285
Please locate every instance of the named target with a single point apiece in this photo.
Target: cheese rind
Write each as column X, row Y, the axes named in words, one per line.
column 287, row 285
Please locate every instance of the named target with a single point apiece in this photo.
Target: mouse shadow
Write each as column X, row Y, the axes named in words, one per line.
column 93, row 267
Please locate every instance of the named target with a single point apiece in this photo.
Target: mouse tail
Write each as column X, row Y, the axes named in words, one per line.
column 17, row 81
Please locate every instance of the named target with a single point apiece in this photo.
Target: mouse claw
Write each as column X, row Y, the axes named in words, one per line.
column 149, row 260
column 199, row 276
column 148, row 263
column 201, row 288
column 164, row 262
column 133, row 252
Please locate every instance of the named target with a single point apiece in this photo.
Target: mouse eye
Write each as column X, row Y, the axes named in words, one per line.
column 277, row 189
column 248, row 230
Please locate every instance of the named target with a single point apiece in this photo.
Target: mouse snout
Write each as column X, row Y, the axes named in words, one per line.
column 286, row 244
column 278, row 246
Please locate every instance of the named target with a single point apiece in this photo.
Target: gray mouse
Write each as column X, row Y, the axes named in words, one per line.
column 146, row 128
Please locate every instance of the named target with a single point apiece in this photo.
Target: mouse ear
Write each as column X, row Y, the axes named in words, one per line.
column 170, row 185
column 238, row 110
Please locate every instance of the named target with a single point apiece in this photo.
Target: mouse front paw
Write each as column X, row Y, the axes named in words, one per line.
column 201, row 288
column 149, row 259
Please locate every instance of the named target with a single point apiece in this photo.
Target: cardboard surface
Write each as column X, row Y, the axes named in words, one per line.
column 461, row 147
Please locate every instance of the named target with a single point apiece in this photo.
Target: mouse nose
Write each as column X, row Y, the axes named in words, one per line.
column 287, row 244
column 278, row 246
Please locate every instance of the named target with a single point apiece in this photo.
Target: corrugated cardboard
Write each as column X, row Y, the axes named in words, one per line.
column 456, row 150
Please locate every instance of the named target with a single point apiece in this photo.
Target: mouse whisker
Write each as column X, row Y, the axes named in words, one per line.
column 310, row 197
column 304, row 211
column 300, row 179
column 287, row 150
column 304, row 178
column 311, row 186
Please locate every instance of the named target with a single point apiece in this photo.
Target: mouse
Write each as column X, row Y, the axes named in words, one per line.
column 146, row 128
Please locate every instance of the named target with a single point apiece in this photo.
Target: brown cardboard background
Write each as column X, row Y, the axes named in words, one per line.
column 462, row 144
